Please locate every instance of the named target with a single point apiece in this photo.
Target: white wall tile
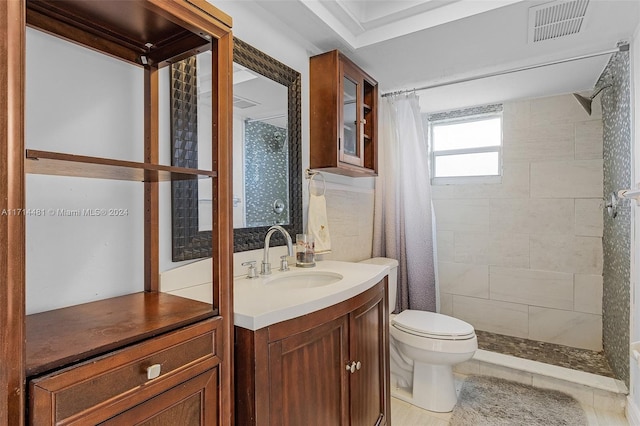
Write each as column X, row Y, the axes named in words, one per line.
column 557, row 109
column 589, row 217
column 464, row 279
column 569, row 328
column 567, row 179
column 472, row 247
column 532, row 287
column 588, row 294
column 533, row 216
column 444, row 245
column 446, row 303
column 509, row 249
column 589, row 140
column 548, row 141
column 511, row 319
column 516, row 115
column 566, row 253
column 462, row 214
column 350, row 216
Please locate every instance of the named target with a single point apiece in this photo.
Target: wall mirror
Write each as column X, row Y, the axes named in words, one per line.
column 267, row 181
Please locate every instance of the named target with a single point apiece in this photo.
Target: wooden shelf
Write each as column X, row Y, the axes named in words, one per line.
column 64, row 336
column 56, row 163
column 128, row 30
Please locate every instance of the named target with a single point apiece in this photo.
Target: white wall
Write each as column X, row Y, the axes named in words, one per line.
column 524, row 257
column 80, row 102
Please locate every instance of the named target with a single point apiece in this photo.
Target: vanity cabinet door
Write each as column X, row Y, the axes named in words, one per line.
column 308, row 385
column 368, row 350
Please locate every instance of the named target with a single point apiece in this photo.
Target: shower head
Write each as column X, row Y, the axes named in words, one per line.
column 586, row 102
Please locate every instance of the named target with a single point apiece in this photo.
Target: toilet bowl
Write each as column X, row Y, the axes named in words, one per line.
column 424, row 347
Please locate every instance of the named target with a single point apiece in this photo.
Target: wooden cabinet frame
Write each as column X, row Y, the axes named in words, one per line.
column 179, row 28
column 328, row 72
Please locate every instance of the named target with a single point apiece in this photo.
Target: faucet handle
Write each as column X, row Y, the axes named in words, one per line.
column 252, row 272
column 284, row 264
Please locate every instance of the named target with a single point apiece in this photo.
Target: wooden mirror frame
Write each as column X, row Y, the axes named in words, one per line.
column 187, row 241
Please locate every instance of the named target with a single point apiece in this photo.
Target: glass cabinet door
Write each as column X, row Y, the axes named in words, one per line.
column 350, row 118
column 351, row 134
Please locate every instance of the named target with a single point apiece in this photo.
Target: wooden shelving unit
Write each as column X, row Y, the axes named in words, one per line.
column 55, row 163
column 148, row 34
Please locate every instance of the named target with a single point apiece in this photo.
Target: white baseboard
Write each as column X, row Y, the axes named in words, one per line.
column 632, row 412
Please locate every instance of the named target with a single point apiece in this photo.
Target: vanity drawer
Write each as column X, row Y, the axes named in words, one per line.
column 98, row 389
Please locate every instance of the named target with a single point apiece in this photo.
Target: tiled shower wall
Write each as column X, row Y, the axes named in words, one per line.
column 524, row 257
column 266, row 171
column 617, row 234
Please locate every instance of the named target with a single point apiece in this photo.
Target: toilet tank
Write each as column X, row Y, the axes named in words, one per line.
column 393, row 277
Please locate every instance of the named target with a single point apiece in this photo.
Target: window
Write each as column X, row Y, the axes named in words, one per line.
column 466, row 148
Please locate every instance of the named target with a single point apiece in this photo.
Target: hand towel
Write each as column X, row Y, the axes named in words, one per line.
column 317, row 224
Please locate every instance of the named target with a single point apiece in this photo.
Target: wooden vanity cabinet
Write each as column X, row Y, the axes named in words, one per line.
column 327, row 367
column 344, row 116
column 87, row 363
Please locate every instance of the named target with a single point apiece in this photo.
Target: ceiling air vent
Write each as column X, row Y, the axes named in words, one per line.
column 243, row 103
column 557, row 19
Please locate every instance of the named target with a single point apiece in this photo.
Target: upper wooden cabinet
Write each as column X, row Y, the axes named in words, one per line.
column 85, row 342
column 344, row 116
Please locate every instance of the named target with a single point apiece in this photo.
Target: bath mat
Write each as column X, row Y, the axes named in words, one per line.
column 489, row 401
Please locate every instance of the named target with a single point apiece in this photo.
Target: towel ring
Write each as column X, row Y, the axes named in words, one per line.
column 311, row 175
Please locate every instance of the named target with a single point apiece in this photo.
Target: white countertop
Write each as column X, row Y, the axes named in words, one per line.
column 259, row 303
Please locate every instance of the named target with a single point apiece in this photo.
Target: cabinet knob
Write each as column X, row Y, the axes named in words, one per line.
column 153, row 371
column 351, row 366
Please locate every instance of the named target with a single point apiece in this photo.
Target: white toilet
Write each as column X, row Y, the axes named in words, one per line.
column 424, row 348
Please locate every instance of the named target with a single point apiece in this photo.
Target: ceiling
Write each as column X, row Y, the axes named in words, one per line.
column 416, row 43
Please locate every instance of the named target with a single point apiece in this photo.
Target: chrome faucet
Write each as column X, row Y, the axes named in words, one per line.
column 266, row 266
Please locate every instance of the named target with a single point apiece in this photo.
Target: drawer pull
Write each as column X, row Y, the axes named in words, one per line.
column 153, row 371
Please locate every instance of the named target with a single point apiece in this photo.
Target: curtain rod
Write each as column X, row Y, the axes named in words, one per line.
column 620, row 48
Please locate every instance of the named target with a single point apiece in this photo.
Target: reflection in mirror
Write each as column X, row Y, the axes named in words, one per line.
column 267, row 186
column 260, row 150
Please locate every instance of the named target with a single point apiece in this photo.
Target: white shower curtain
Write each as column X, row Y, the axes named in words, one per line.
column 402, row 212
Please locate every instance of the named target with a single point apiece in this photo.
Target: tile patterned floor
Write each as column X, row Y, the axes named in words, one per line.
column 403, row 414
column 563, row 356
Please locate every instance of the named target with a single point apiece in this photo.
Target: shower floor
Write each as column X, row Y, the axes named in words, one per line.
column 549, row 353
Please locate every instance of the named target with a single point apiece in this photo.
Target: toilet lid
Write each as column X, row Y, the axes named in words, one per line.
column 430, row 324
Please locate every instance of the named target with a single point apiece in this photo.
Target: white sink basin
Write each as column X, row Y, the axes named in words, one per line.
column 308, row 279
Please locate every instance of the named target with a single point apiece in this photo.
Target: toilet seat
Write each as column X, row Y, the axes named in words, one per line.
column 432, row 325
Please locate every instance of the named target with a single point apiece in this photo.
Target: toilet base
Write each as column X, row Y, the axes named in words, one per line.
column 433, row 388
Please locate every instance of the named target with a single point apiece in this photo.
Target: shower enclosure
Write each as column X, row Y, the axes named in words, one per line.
column 536, row 256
